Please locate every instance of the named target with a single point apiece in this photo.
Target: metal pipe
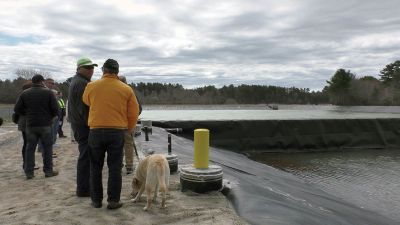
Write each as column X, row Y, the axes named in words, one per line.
column 174, row 130
column 169, row 144
column 146, row 132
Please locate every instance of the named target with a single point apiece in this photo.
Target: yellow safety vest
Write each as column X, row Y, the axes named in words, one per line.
column 61, row 103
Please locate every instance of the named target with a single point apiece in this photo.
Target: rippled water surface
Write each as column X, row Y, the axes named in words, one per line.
column 367, row 178
column 262, row 112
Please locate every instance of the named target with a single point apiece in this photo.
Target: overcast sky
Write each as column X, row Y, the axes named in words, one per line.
column 206, row 42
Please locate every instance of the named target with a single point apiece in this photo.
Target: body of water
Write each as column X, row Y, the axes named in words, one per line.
column 6, row 111
column 253, row 112
column 262, row 112
column 369, row 178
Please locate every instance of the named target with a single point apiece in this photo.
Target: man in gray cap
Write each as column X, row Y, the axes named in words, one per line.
column 78, row 114
column 129, row 143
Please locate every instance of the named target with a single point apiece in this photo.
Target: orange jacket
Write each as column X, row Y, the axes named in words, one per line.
column 112, row 104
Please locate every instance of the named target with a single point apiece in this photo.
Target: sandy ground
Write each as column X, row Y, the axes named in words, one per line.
column 53, row 201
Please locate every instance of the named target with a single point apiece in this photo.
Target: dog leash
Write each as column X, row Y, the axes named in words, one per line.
column 134, row 147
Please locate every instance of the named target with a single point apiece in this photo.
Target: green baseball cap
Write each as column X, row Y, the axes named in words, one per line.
column 85, row 61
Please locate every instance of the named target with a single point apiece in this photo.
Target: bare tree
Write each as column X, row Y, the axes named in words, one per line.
column 28, row 73
column 365, row 91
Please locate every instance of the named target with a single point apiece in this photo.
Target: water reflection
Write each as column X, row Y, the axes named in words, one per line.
column 262, row 112
column 368, row 178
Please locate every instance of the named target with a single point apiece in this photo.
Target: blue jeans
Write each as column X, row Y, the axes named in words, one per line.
column 33, row 134
column 81, row 135
column 23, row 151
column 54, row 129
column 102, row 141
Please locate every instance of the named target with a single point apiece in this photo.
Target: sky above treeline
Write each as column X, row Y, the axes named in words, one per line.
column 203, row 42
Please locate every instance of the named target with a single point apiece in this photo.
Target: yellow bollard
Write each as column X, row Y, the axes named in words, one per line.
column 201, row 144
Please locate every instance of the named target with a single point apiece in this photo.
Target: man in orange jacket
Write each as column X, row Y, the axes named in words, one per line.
column 113, row 109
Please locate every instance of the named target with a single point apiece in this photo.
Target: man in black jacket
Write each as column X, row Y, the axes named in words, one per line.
column 78, row 114
column 39, row 106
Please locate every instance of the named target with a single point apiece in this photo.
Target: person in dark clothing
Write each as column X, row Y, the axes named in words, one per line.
column 50, row 83
column 39, row 106
column 129, row 143
column 22, row 126
column 78, row 114
column 61, row 114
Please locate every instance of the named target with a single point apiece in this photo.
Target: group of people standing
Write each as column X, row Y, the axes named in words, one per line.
column 102, row 114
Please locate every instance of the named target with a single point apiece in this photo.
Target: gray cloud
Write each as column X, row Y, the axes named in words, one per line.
column 285, row 43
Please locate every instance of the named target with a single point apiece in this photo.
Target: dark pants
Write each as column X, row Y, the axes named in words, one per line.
column 60, row 125
column 54, row 127
column 33, row 134
column 23, row 148
column 112, row 142
column 81, row 135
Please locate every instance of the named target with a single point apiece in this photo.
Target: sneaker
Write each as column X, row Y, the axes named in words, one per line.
column 129, row 170
column 29, row 176
column 51, row 174
column 36, row 167
column 62, row 136
column 82, row 194
column 114, row 205
column 96, row 204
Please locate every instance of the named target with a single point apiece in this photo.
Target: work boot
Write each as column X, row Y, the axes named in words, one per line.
column 51, row 174
column 82, row 194
column 97, row 204
column 114, row 205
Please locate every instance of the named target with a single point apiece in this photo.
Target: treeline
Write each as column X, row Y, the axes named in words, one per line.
column 157, row 93
column 344, row 88
column 11, row 89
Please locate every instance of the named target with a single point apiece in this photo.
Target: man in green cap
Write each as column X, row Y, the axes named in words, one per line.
column 78, row 114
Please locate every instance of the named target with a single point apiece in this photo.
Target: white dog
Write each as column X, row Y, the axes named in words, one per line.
column 152, row 173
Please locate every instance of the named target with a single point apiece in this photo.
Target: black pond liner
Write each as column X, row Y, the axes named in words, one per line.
column 295, row 135
column 264, row 195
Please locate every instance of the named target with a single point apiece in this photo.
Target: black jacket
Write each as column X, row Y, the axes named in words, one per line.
column 78, row 112
column 39, row 106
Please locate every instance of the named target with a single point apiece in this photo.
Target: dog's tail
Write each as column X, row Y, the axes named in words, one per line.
column 161, row 177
